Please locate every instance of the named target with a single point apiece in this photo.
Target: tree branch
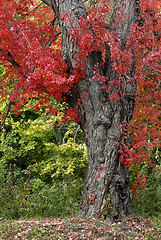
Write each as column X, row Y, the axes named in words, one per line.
column 8, row 109
column 10, row 58
column 34, row 10
column 47, row 2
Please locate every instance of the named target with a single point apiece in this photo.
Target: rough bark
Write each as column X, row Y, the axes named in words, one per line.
column 101, row 117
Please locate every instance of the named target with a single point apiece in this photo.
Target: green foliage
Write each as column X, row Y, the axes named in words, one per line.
column 24, row 196
column 10, row 196
column 30, row 138
column 43, row 166
column 149, row 203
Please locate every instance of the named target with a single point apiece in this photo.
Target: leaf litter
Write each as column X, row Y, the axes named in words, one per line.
column 80, row 228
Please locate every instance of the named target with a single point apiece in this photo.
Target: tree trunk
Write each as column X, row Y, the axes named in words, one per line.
column 101, row 117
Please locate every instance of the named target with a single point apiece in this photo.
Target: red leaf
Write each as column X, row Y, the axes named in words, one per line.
column 115, row 97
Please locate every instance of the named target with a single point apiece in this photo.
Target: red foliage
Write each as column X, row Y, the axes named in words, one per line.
column 145, row 126
column 37, row 69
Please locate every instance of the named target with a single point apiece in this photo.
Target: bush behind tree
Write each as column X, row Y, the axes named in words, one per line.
column 42, row 167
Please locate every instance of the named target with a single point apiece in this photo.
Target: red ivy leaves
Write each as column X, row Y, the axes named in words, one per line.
column 115, row 97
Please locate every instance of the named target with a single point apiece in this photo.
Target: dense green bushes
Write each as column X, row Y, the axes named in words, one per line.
column 149, row 203
column 43, row 166
column 32, row 197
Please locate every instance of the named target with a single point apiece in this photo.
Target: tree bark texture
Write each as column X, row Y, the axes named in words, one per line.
column 101, row 117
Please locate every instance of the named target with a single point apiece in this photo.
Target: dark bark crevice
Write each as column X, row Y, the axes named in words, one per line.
column 120, row 192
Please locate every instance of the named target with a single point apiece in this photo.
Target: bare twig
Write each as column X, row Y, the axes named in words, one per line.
column 157, row 70
column 8, row 109
column 25, row 36
column 34, row 10
column 76, row 133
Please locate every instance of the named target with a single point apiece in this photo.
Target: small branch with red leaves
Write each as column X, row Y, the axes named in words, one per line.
column 34, row 10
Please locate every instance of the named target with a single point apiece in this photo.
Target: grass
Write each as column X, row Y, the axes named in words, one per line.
column 80, row 228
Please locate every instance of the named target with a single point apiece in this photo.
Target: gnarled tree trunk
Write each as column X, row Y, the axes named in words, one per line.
column 101, row 117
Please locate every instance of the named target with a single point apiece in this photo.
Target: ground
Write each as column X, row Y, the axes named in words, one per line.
column 79, row 228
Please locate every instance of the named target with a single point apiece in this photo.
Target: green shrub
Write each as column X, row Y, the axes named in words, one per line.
column 22, row 196
column 149, row 203
column 42, row 168
column 11, row 192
